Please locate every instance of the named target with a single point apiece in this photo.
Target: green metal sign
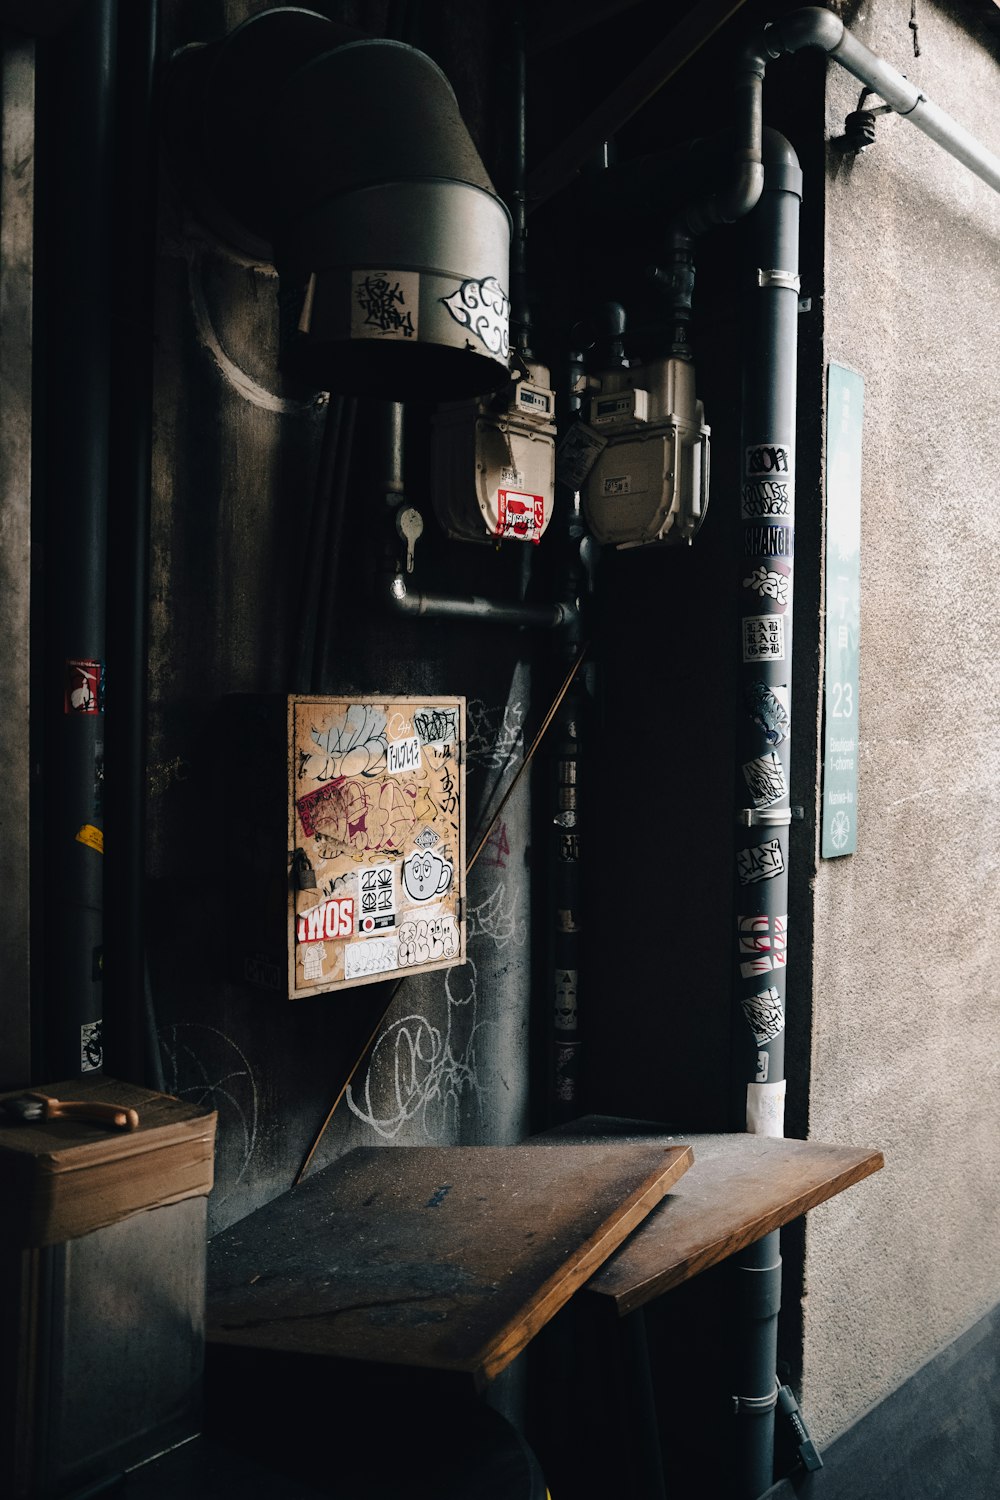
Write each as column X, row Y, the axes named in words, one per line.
column 844, row 408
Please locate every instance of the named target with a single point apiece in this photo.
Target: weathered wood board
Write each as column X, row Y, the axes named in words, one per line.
column 448, row 1258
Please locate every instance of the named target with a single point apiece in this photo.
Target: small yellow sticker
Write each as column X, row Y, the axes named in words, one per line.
column 92, row 837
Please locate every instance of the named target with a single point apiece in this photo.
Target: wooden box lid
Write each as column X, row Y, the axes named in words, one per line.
column 65, row 1177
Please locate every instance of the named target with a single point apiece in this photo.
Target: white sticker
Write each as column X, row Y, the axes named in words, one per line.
column 767, row 938
column 373, row 956
column 313, row 958
column 762, row 862
column 764, row 1017
column 565, row 1008
column 577, row 454
column 91, row 1047
column 378, row 899
column 763, row 1063
column 428, row 940
column 330, row 919
column 385, row 304
column 483, row 307
column 402, row 756
column 513, row 479
column 766, row 1109
column 765, row 779
column 619, row 484
column 764, row 638
column 769, row 583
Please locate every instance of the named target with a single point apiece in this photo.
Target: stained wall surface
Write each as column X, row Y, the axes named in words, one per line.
column 906, row 1003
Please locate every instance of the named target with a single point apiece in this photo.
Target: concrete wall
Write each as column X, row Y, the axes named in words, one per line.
column 906, row 999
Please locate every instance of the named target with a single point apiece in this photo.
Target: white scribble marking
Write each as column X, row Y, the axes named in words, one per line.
column 425, row 1075
column 495, row 735
column 494, row 918
column 181, row 1060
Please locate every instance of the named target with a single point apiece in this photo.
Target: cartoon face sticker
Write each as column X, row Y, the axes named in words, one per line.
column 425, row 875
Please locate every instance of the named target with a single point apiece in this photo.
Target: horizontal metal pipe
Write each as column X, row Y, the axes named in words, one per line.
column 446, row 607
column 815, row 27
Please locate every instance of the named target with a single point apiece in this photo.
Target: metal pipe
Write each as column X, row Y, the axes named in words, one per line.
column 743, row 189
column 444, row 607
column 767, row 514
column 814, row 27
column 758, row 1302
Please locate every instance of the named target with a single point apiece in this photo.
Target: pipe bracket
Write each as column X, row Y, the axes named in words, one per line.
column 787, row 279
column 767, row 817
column 755, row 1406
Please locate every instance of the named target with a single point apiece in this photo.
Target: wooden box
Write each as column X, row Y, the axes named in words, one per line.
column 102, row 1286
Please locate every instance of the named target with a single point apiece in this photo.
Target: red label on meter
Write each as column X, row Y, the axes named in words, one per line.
column 520, row 515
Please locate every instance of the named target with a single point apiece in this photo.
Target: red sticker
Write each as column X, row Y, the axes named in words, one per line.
column 84, row 691
column 331, row 919
column 521, row 515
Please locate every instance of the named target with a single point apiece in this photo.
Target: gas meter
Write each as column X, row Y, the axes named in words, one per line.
column 493, row 462
column 649, row 483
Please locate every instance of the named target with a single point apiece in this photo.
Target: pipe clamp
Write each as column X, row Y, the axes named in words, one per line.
column 768, row 817
column 755, row 1406
column 788, row 279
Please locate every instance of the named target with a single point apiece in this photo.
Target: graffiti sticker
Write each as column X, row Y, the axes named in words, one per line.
column 764, row 1017
column 385, row 304
column 763, row 638
column 765, row 779
column 484, row 308
column 766, row 938
column 762, row 862
column 769, row 583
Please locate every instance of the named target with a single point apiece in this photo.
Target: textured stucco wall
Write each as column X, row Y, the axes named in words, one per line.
column 907, row 949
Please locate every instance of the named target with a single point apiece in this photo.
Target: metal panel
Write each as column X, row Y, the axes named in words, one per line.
column 376, row 826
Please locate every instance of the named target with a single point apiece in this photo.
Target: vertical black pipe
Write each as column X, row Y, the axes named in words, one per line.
column 130, row 1041
column 767, row 513
column 77, row 89
column 767, row 517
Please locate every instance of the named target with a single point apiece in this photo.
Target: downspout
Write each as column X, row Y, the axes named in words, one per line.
column 767, row 517
column 767, row 513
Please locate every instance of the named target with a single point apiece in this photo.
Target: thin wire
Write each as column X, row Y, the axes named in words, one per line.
column 578, row 662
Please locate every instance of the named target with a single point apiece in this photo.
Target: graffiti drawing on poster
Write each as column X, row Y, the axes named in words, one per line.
column 765, row 1016
column 769, row 482
column 768, row 541
column 385, row 304
column 427, row 941
column 767, row 939
column 425, row 875
column 762, row 862
column 353, row 745
column 765, row 779
column 313, row 959
column 378, row 900
column 768, row 707
column 370, row 956
column 436, row 726
column 565, row 1016
column 403, row 756
column 769, row 583
column 763, row 638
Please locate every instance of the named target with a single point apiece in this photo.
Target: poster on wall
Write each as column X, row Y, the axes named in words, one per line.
column 844, row 410
column 376, row 839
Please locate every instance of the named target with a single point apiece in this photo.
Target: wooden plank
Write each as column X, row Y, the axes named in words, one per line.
column 657, row 66
column 740, row 1188
column 441, row 1257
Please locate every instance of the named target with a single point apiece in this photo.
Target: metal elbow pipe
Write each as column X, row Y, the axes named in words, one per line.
column 488, row 611
column 742, row 193
column 814, row 27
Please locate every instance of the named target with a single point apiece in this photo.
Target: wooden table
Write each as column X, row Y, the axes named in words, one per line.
column 446, row 1258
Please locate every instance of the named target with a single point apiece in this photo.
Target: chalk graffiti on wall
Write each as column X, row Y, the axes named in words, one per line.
column 206, row 1067
column 419, row 1071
